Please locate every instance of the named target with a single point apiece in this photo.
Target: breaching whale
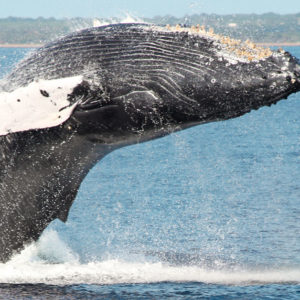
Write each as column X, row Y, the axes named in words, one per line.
column 70, row 103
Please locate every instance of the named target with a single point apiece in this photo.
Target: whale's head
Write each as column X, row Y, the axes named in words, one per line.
column 149, row 81
column 140, row 81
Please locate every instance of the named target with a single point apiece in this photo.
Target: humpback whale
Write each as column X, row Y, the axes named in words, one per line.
column 78, row 98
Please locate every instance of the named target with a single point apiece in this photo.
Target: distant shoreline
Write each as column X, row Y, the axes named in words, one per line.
column 21, row 45
column 279, row 44
column 41, row 45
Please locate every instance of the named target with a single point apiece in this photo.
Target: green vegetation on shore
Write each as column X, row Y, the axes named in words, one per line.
column 265, row 28
column 36, row 31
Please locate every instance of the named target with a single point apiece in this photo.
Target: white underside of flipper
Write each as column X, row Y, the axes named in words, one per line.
column 41, row 104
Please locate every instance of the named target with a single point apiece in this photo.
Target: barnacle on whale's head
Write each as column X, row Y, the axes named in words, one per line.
column 246, row 50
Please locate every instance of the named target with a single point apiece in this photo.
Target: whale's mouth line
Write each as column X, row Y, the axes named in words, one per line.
column 272, row 101
column 89, row 106
column 284, row 95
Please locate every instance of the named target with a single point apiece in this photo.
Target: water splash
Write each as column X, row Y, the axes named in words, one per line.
column 128, row 18
column 51, row 261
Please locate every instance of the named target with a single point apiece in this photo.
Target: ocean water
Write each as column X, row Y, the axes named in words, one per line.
column 212, row 212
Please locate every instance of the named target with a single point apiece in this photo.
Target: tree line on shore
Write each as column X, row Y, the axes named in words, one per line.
column 264, row 28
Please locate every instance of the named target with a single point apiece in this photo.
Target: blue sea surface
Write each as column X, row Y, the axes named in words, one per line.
column 212, row 212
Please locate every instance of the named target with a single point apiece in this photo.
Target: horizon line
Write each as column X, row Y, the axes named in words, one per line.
column 155, row 16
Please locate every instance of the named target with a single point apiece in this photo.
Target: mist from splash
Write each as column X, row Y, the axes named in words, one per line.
column 79, row 24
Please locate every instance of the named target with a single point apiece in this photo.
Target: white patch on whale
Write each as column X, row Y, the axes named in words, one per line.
column 41, row 104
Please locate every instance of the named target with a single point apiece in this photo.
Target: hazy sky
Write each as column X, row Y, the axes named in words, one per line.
column 140, row 8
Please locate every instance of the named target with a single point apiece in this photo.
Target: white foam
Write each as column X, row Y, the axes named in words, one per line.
column 51, row 261
column 27, row 108
column 118, row 271
column 128, row 18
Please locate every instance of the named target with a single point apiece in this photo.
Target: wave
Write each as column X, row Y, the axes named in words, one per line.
column 51, row 261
